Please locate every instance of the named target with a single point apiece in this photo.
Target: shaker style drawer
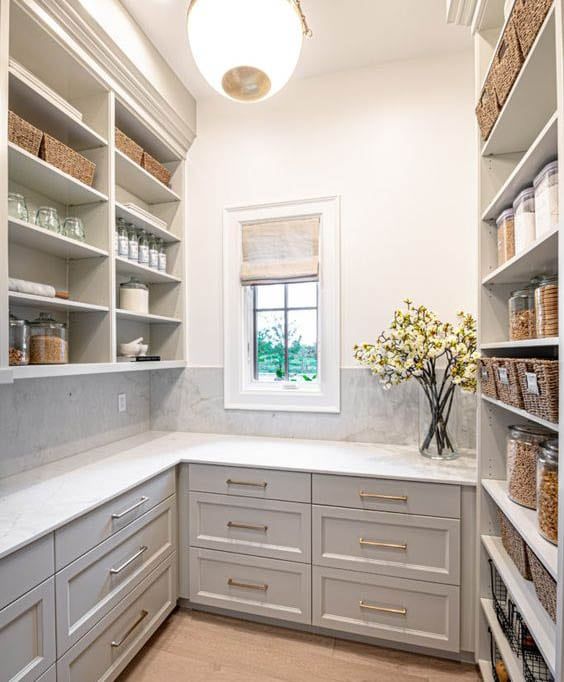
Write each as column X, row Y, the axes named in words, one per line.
column 407, row 611
column 91, row 586
column 105, row 651
column 401, row 545
column 27, row 635
column 268, row 528
column 265, row 587
column 247, row 482
column 49, row 676
column 406, row 497
column 23, row 570
column 81, row 535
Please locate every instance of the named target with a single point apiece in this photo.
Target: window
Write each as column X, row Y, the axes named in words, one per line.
column 281, row 307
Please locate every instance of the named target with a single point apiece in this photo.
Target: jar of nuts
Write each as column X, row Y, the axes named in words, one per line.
column 546, row 307
column 547, row 491
column 505, row 236
column 48, row 342
column 521, row 315
column 523, row 449
column 19, row 341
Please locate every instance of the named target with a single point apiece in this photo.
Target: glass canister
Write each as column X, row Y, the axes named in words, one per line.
column 48, row 218
column 133, row 243
column 123, row 239
column 162, row 256
column 134, row 296
column 73, row 227
column 48, row 341
column 523, row 449
column 17, row 208
column 19, row 341
column 546, row 307
column 524, row 210
column 505, row 236
column 154, row 252
column 521, row 315
column 143, row 248
column 546, row 199
column 547, row 491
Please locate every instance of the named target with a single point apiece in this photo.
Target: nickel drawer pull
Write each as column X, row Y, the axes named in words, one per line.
column 388, row 545
column 133, row 507
column 247, row 526
column 383, row 609
column 379, row 496
column 119, row 569
column 249, row 586
column 141, row 618
column 250, row 484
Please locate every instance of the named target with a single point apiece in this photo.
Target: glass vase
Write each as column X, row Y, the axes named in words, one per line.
column 435, row 433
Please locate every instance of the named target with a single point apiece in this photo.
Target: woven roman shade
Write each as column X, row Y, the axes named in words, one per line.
column 280, row 251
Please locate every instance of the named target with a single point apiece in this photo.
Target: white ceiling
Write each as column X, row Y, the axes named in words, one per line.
column 347, row 34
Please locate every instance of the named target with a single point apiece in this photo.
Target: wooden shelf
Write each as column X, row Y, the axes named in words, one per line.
column 523, row 594
column 33, row 172
column 32, row 301
column 149, row 318
column 139, row 182
column 125, row 213
column 144, row 273
column 521, row 413
column 512, row 662
column 35, row 237
column 525, row 520
column 548, row 342
column 39, row 371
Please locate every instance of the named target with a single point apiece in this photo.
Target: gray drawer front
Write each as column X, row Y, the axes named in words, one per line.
column 431, row 617
column 130, row 624
column 50, row 675
column 81, row 535
column 267, row 528
column 26, row 568
column 27, row 635
column 406, row 497
column 250, row 482
column 87, row 589
column 400, row 545
column 265, row 587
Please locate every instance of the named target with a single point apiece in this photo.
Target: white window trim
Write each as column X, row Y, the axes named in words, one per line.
column 240, row 392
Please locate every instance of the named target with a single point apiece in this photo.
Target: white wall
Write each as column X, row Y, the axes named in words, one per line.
column 396, row 142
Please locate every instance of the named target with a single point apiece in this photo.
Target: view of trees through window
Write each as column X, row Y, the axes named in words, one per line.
column 285, row 331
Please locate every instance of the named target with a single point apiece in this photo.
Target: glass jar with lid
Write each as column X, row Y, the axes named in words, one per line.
column 134, row 296
column 133, row 243
column 524, row 444
column 521, row 315
column 546, row 199
column 19, row 341
column 122, row 238
column 505, row 236
column 17, row 207
column 143, row 248
column 547, row 491
column 48, row 218
column 546, row 307
column 162, row 256
column 524, row 210
column 48, row 341
column 153, row 252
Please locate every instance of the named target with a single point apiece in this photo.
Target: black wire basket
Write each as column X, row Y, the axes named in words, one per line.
column 505, row 610
column 495, row 657
column 534, row 666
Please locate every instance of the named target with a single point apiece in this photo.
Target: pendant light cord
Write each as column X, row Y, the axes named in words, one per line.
column 307, row 30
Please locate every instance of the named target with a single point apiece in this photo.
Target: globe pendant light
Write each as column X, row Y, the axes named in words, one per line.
column 247, row 50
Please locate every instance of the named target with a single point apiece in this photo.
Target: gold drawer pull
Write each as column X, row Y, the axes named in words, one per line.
column 250, row 484
column 247, row 526
column 130, row 509
column 388, row 545
column 379, row 496
column 249, row 586
column 119, row 569
column 382, row 609
column 141, row 618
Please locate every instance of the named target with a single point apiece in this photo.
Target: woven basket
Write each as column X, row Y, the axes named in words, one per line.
column 507, row 382
column 528, row 17
column 128, row 146
column 507, row 63
column 155, row 168
column 545, row 585
column 488, row 109
column 487, row 377
column 23, row 134
column 539, row 387
column 515, row 546
column 64, row 158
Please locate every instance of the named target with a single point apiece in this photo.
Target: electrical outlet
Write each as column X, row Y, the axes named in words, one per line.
column 122, row 402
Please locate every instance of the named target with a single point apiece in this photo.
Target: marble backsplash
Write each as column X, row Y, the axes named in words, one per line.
column 192, row 400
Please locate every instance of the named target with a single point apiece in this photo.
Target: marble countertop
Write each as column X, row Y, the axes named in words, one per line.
column 41, row 500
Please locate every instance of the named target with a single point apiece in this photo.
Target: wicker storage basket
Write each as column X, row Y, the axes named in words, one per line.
column 539, row 387
column 487, row 110
column 507, row 63
column 528, row 17
column 128, row 146
column 487, row 377
column 545, row 585
column 507, row 381
column 515, row 546
column 155, row 168
column 64, row 158
column 23, row 134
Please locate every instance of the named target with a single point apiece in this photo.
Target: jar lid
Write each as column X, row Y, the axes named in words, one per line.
column 134, row 283
column 547, row 279
column 550, row 449
column 45, row 320
column 529, row 430
column 15, row 195
column 47, row 208
column 521, row 293
column 550, row 168
column 508, row 213
column 16, row 322
column 527, row 193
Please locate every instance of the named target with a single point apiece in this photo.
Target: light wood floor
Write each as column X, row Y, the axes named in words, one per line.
column 198, row 647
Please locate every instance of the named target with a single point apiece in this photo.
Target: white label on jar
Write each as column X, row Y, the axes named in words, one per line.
column 484, row 374
column 144, row 255
column 532, row 383
column 503, row 376
column 153, row 258
column 123, row 246
column 162, row 262
column 133, row 250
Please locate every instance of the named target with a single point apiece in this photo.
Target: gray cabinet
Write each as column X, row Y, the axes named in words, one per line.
column 26, row 568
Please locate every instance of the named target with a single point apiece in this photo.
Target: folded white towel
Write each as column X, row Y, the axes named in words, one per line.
column 22, row 286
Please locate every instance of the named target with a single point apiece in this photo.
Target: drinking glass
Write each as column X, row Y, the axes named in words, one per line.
column 17, row 208
column 74, row 228
column 48, row 218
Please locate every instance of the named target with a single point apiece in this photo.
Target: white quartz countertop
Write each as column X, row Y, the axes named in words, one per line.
column 41, row 500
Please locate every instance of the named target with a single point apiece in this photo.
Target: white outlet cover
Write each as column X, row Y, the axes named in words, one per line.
column 122, row 402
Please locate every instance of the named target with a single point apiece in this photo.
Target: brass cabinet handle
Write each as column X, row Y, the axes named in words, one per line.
column 388, row 545
column 119, row 569
column 379, row 496
column 130, row 509
column 250, row 484
column 383, row 609
column 247, row 526
column 249, row 586
column 139, row 620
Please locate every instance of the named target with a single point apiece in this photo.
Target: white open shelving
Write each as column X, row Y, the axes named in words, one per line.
column 148, row 317
column 144, row 223
column 43, row 302
column 136, row 180
column 548, row 342
column 143, row 272
column 523, row 414
column 36, row 237
column 512, row 663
